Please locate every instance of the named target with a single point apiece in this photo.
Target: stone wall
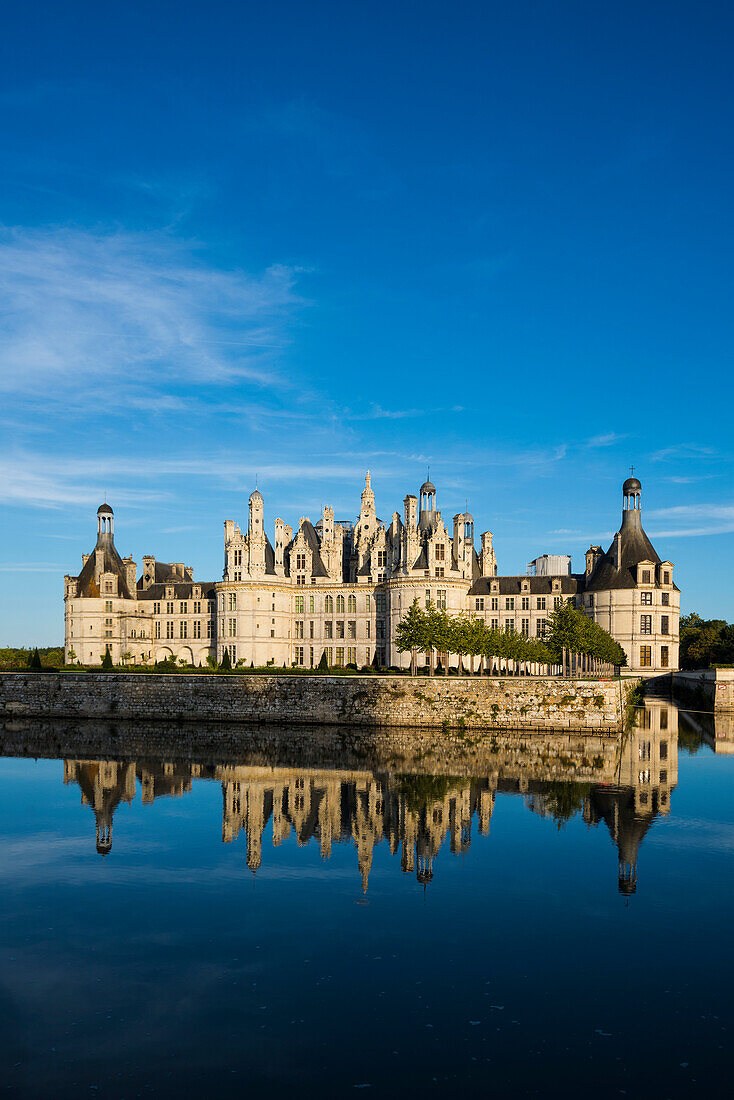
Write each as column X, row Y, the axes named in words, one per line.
column 390, row 701
column 712, row 688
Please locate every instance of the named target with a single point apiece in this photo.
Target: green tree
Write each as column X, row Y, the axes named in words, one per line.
column 34, row 661
column 323, row 665
column 411, row 634
column 107, row 659
column 226, row 662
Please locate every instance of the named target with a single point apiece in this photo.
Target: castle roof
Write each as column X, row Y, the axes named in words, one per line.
column 634, row 547
column 112, row 563
column 540, row 586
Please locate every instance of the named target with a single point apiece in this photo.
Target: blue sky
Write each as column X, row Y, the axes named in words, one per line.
column 299, row 240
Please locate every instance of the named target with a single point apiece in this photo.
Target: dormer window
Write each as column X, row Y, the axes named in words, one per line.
column 645, row 577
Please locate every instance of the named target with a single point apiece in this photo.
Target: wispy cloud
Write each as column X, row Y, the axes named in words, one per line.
column 99, row 318
column 607, row 439
column 682, row 451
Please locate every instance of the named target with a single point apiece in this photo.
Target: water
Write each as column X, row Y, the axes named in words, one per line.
column 296, row 919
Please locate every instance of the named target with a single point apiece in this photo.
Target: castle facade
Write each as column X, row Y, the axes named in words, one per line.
column 341, row 587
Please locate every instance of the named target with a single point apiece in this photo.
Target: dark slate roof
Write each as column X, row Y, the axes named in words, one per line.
column 269, row 558
column 104, row 510
column 85, row 582
column 163, row 572
column 318, row 569
column 182, row 590
column 635, row 547
column 421, row 562
column 538, row 586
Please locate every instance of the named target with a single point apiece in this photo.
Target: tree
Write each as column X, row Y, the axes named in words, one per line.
column 226, row 662
column 442, row 635
column 410, row 633
column 72, row 657
column 705, row 642
column 570, row 629
column 34, row 661
column 107, row 659
column 475, row 635
column 323, row 665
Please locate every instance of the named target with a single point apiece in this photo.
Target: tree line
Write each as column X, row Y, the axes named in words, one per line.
column 433, row 630
column 705, row 642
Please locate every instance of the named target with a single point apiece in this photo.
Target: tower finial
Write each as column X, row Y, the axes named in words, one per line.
column 632, row 469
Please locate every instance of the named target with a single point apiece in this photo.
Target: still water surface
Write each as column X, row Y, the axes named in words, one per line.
column 216, row 927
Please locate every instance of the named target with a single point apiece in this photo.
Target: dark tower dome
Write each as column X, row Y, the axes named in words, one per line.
column 104, row 510
column 631, row 485
column 428, row 487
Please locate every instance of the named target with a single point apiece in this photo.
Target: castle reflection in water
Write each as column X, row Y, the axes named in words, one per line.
column 414, row 814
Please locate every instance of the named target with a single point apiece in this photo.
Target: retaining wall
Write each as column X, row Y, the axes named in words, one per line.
column 713, row 687
column 456, row 702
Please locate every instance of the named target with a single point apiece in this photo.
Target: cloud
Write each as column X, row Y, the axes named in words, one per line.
column 95, row 319
column 608, row 439
column 684, row 451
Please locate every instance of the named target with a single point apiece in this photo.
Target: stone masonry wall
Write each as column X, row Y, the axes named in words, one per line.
column 456, row 703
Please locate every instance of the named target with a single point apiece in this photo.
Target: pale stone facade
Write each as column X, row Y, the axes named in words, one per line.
column 341, row 588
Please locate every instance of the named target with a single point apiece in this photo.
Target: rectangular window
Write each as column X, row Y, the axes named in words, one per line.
column 238, row 557
column 209, row 628
column 340, row 656
column 340, row 628
column 440, row 571
column 329, row 656
column 557, row 601
column 427, row 597
column 479, row 604
column 197, row 629
column 666, row 576
column 311, row 629
column 665, row 599
column 232, row 606
column 509, row 603
column 183, row 629
column 340, row 605
column 664, row 656
column 380, row 602
column 525, row 627
column 156, row 609
column 525, row 603
column 157, row 630
column 352, row 655
column 300, row 561
column 352, row 605
column 590, row 600
column 646, row 598
column 197, row 607
column 232, row 653
column 509, row 626
column 644, row 750
column 495, row 604
column 542, row 627
column 299, row 604
column 380, row 628
column 301, row 579
column 645, row 656
column 299, row 628
column 312, row 604
column 645, row 576
column 108, row 605
column 494, row 624
column 329, row 605
column 540, row 603
column 367, row 605
column 328, row 629
column 169, row 608
column 645, row 624
column 233, row 628
column 665, row 624
column 664, row 744
column 182, row 607
column 441, row 599
column 299, row 654
column 380, row 657
column 352, row 628
column 169, row 629
column 368, row 626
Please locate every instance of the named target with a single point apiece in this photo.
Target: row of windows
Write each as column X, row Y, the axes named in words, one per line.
column 183, row 607
column 646, row 576
column 646, row 598
column 646, row 656
column 183, row 629
column 646, row 624
column 494, row 603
